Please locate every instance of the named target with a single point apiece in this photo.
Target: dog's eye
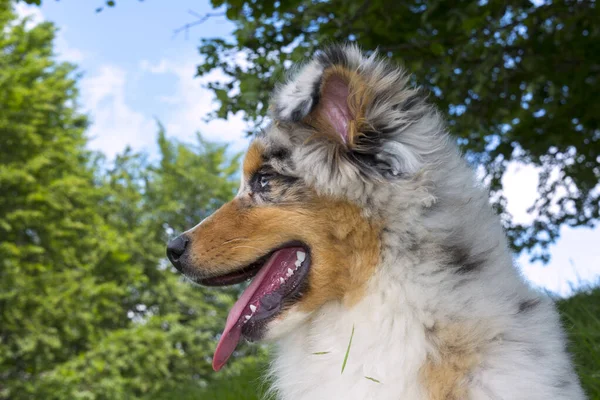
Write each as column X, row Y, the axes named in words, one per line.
column 263, row 181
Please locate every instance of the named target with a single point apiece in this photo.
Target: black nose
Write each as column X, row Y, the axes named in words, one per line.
column 176, row 249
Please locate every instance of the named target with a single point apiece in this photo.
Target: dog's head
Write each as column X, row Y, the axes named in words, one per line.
column 348, row 137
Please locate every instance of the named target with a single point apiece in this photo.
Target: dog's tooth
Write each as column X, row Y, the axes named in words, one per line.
column 247, row 317
column 298, row 263
column 301, row 255
column 290, row 272
column 281, row 280
column 252, row 308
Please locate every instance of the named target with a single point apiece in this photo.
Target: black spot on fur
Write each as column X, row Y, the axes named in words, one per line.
column 334, row 55
column 300, row 111
column 368, row 146
column 535, row 352
column 528, row 305
column 370, row 139
column 562, row 383
column 367, row 161
column 463, row 262
column 392, row 129
column 316, row 93
column 412, row 102
column 286, row 180
column 279, row 153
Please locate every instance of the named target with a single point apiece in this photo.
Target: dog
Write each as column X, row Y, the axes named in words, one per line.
column 379, row 269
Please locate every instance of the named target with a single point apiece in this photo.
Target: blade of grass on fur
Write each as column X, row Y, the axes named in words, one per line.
column 372, row 379
column 348, row 350
column 320, row 353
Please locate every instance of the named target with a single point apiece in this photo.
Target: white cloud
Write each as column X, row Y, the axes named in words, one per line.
column 64, row 51
column 115, row 124
column 29, row 11
column 194, row 103
column 519, row 185
column 575, row 263
column 575, row 258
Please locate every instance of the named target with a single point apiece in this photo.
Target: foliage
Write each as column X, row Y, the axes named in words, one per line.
column 517, row 81
column 50, row 236
column 246, row 383
column 90, row 307
column 581, row 318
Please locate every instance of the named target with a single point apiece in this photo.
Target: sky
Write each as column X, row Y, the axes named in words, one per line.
column 136, row 71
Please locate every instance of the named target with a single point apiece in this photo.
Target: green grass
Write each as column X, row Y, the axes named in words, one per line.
column 348, row 350
column 581, row 319
column 372, row 379
column 247, row 385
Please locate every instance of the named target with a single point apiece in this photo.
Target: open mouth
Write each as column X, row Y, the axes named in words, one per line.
column 278, row 280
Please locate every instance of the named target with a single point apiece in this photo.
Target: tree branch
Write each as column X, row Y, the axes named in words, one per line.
column 201, row 19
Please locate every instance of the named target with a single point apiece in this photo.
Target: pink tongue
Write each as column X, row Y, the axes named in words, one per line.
column 266, row 281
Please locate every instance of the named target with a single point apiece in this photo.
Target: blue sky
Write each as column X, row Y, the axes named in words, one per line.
column 136, row 71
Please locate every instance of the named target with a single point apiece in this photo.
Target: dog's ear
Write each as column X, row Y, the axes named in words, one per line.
column 328, row 96
column 340, row 109
column 363, row 105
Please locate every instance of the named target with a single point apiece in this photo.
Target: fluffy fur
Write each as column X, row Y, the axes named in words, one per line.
column 446, row 315
column 443, row 313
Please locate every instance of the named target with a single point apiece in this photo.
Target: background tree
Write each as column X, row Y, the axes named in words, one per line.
column 90, row 307
column 518, row 81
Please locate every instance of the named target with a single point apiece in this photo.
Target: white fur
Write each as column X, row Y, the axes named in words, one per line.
column 438, row 204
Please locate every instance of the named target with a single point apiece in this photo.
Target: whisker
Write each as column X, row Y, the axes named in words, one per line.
column 234, row 240
column 247, row 247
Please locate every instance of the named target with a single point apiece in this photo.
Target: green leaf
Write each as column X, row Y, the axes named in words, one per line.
column 437, row 48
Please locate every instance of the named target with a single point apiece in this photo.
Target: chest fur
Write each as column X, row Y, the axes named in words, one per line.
column 384, row 348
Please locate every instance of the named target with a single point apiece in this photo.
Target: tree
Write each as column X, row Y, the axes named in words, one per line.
column 90, row 307
column 172, row 325
column 518, row 81
column 52, row 284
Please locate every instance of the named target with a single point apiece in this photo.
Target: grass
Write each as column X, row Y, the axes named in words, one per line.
column 247, row 385
column 348, row 350
column 581, row 319
column 372, row 379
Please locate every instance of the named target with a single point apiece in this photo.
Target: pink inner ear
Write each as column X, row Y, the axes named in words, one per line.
column 334, row 105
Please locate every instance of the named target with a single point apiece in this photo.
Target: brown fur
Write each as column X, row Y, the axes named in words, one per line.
column 254, row 158
column 344, row 244
column 359, row 96
column 457, row 352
